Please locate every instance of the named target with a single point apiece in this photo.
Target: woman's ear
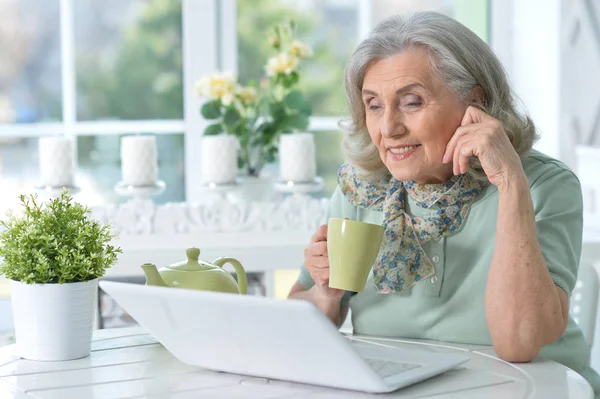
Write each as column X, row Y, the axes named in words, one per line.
column 477, row 96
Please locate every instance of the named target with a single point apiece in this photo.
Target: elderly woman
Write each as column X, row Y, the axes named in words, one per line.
column 482, row 234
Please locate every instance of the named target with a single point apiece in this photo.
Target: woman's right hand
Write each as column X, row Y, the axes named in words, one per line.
column 316, row 261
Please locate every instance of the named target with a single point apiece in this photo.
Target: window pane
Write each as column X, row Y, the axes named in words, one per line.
column 30, row 75
column 329, row 27
column 128, row 59
column 472, row 13
column 329, row 158
column 19, row 170
column 99, row 168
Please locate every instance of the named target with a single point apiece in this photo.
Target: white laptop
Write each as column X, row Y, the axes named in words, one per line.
column 276, row 339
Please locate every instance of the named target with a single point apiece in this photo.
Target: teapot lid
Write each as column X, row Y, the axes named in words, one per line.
column 192, row 264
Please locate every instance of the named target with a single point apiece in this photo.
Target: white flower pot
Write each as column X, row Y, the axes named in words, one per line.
column 54, row 321
column 257, row 188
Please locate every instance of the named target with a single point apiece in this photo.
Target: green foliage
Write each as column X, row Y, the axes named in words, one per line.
column 232, row 117
column 212, row 130
column 323, row 75
column 258, row 115
column 294, row 100
column 211, row 110
column 144, row 79
column 55, row 242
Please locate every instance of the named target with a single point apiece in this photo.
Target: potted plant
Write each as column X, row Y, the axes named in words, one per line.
column 258, row 113
column 54, row 253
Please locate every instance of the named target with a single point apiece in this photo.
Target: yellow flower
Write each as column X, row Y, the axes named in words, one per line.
column 282, row 63
column 300, row 50
column 247, row 95
column 217, row 86
column 274, row 41
column 227, row 99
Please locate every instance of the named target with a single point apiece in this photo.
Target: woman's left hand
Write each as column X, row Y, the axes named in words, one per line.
column 482, row 136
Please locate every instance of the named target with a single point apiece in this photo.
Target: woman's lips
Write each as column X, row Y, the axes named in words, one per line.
column 402, row 153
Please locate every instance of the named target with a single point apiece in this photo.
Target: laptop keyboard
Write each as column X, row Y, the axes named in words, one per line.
column 386, row 368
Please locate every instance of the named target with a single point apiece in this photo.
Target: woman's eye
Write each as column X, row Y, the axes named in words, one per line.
column 373, row 105
column 412, row 102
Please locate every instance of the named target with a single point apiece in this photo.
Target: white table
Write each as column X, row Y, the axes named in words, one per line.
column 128, row 363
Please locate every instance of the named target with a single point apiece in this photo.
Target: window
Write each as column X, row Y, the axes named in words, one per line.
column 473, row 14
column 30, row 63
column 128, row 59
column 100, row 69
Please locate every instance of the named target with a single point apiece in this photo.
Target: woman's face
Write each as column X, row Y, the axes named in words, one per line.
column 411, row 115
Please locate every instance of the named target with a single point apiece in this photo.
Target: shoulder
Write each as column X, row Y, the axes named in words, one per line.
column 545, row 173
column 339, row 206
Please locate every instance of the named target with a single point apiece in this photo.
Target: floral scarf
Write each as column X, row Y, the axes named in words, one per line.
column 402, row 262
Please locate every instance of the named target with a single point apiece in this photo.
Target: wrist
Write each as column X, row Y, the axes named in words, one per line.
column 516, row 185
column 326, row 297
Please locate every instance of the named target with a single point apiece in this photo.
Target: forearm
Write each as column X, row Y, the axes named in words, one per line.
column 522, row 304
column 329, row 306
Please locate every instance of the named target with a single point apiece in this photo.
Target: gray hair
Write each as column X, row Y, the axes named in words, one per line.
column 459, row 57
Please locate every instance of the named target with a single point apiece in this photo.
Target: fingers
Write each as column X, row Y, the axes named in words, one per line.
column 317, row 262
column 462, row 156
column 474, row 115
column 320, row 234
column 316, row 259
column 471, row 121
column 316, row 249
column 451, row 146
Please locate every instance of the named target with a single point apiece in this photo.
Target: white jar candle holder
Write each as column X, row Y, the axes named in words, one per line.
column 139, row 167
column 139, row 160
column 57, row 165
column 297, row 158
column 219, row 159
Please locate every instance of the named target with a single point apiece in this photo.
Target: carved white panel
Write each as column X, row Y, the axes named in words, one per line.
column 143, row 217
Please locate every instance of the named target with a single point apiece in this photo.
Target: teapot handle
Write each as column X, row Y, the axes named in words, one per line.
column 239, row 269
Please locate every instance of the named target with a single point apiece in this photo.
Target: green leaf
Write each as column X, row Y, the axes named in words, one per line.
column 298, row 121
column 240, row 131
column 211, row 110
column 306, row 108
column 277, row 111
column 231, row 117
column 214, row 129
column 271, row 154
column 290, row 80
column 294, row 100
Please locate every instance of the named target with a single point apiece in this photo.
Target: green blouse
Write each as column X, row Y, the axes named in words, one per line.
column 449, row 306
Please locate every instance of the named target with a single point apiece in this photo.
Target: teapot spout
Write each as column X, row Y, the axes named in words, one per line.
column 153, row 276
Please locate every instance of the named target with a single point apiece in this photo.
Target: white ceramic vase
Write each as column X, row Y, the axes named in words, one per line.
column 54, row 321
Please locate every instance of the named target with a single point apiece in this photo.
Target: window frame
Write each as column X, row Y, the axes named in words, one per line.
column 200, row 19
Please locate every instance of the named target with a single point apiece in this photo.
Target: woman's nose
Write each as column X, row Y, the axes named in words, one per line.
column 392, row 125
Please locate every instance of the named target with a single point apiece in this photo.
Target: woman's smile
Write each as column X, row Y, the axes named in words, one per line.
column 401, row 153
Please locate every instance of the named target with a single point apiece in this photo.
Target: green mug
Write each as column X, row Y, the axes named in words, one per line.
column 353, row 247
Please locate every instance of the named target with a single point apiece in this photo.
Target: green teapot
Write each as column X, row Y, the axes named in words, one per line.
column 198, row 275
